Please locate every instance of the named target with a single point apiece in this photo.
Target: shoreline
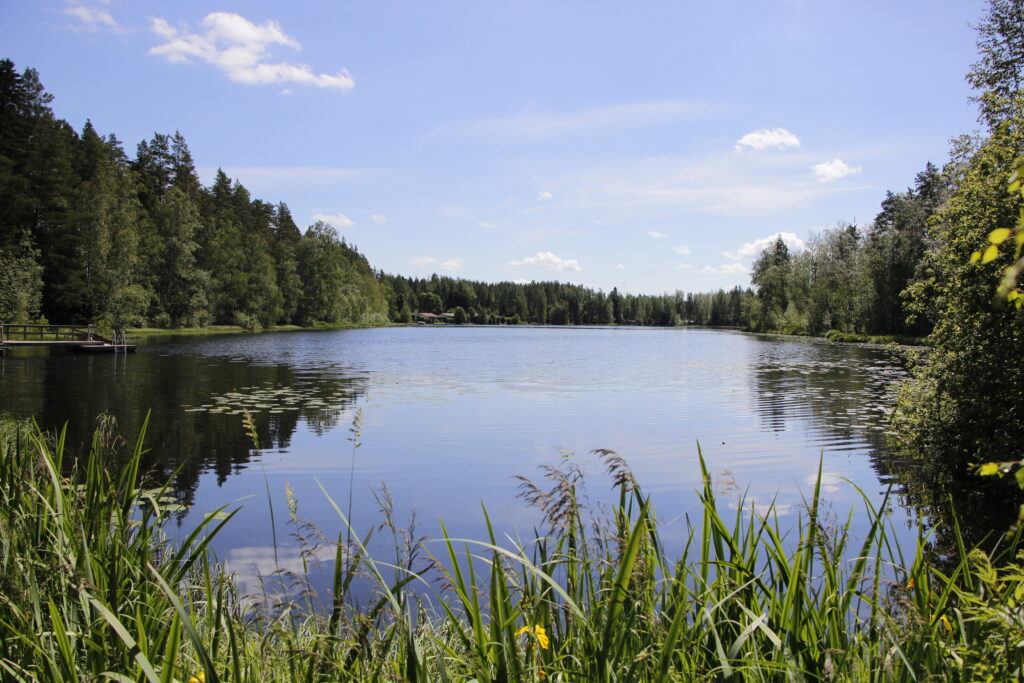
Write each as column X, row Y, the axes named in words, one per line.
column 834, row 337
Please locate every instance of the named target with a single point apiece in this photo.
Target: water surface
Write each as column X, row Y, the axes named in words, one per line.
column 451, row 414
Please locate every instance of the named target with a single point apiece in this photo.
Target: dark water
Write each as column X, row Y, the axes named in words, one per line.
column 451, row 415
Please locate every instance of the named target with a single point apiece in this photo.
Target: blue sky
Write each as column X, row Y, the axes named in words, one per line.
column 649, row 146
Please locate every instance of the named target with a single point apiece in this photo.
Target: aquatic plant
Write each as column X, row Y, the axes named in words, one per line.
column 91, row 589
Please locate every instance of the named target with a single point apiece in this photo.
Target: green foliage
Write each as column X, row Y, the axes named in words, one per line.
column 21, row 283
column 428, row 302
column 951, row 402
column 92, row 590
column 996, row 76
column 847, row 279
column 894, row 256
column 770, row 276
column 555, row 303
column 338, row 283
column 89, row 235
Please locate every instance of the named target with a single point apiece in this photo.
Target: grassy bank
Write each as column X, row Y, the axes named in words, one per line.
column 92, row 591
column 236, row 329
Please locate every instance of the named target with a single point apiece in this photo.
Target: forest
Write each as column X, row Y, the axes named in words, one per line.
column 88, row 234
column 99, row 580
column 847, row 279
column 91, row 235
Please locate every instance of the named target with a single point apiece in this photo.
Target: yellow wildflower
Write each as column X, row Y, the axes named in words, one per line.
column 910, row 584
column 198, row 678
column 945, row 622
column 539, row 634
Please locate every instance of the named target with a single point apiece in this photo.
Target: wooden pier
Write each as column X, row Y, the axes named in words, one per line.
column 75, row 337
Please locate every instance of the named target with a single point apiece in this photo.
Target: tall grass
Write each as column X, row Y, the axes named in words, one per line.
column 91, row 590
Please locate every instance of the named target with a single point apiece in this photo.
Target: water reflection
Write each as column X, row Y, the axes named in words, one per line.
column 453, row 414
column 841, row 394
column 196, row 402
column 945, row 498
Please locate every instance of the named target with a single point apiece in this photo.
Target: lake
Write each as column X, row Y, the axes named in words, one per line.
column 450, row 415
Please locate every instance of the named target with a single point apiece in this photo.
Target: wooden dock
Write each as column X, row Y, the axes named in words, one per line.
column 74, row 337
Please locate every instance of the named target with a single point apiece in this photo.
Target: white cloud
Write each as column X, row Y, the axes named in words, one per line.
column 658, row 235
column 240, row 49
column 338, row 220
column 544, row 196
column 827, row 171
column 597, row 120
column 521, row 281
column 378, row 218
column 546, row 259
column 726, row 269
column 488, row 225
column 752, row 249
column 423, row 260
column 256, row 569
column 91, row 18
column 452, row 264
column 684, row 266
column 768, row 138
column 620, row 266
column 829, row 481
column 681, row 249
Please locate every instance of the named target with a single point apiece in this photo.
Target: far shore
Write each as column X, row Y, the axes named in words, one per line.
column 834, row 337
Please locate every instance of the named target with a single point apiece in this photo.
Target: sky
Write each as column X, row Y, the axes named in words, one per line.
column 652, row 146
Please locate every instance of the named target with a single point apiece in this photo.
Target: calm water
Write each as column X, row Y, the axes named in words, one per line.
column 451, row 415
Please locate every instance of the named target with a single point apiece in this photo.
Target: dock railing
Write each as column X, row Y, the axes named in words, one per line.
column 14, row 332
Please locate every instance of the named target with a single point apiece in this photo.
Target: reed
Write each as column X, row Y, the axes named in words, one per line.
column 91, row 590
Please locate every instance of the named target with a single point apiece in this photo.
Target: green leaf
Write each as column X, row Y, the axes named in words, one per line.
column 988, row 468
column 1019, row 474
column 991, row 252
column 999, row 235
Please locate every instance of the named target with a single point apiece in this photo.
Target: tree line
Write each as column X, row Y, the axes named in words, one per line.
column 553, row 303
column 847, row 279
column 89, row 234
column 850, row 278
column 966, row 396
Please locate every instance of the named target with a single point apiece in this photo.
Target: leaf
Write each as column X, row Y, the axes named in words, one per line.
column 1019, row 474
column 999, row 235
column 991, row 252
column 988, row 468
